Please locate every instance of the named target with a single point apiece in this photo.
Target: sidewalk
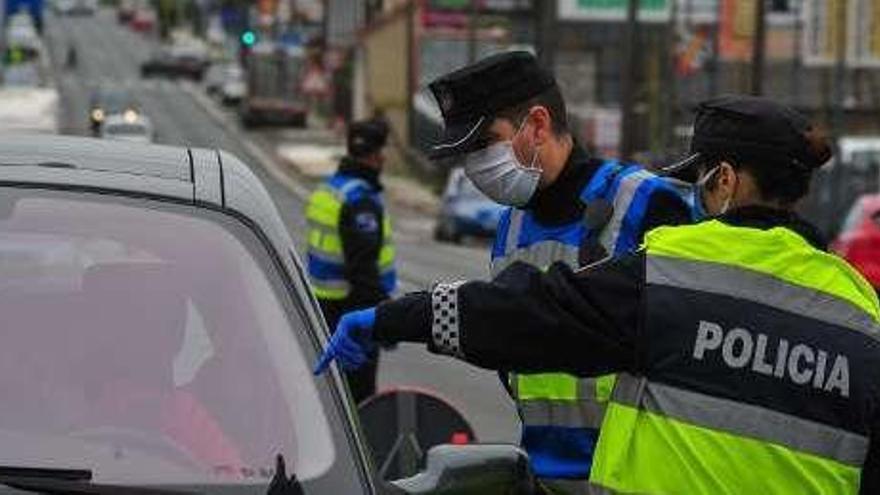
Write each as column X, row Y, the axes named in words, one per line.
column 316, row 161
column 312, row 154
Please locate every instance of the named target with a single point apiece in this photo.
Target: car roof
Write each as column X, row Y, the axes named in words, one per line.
column 193, row 175
column 197, row 176
column 869, row 203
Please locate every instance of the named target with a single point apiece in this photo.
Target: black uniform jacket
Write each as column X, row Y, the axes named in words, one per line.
column 360, row 229
column 583, row 322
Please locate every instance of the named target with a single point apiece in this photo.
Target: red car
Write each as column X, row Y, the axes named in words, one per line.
column 143, row 20
column 859, row 238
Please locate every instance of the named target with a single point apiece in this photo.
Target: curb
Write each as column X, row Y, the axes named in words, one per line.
column 424, row 202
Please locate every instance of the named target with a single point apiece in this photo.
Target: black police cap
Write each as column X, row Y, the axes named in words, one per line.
column 471, row 96
column 367, row 136
column 754, row 127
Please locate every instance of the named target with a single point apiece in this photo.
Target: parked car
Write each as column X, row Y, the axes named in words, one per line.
column 465, row 211
column 75, row 7
column 859, row 238
column 143, row 20
column 125, row 11
column 159, row 334
column 108, row 101
column 130, row 126
column 227, row 82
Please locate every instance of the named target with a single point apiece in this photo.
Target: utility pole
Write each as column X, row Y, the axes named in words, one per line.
column 671, row 106
column 473, row 21
column 758, row 47
column 837, row 124
column 545, row 17
column 627, row 81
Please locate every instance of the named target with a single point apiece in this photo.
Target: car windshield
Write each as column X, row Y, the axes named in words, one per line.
column 150, row 344
column 853, row 217
column 114, row 101
column 467, row 190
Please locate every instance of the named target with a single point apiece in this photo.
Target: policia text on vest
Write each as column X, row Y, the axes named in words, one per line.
column 748, row 360
column 798, row 363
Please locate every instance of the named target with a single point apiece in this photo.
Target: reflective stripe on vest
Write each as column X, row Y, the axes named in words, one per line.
column 776, row 396
column 326, row 262
column 556, row 399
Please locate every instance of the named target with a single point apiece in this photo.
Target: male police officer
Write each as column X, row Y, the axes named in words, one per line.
column 506, row 122
column 748, row 358
column 350, row 251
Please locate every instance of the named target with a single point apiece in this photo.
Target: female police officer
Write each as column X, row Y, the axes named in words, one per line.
column 748, row 358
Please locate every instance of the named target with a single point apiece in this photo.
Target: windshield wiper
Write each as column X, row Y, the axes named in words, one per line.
column 44, row 472
column 68, row 481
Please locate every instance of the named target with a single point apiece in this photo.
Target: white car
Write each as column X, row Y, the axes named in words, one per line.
column 227, row 82
column 129, row 126
column 234, row 87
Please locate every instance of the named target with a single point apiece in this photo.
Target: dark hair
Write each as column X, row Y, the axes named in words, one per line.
column 367, row 137
column 550, row 99
column 779, row 178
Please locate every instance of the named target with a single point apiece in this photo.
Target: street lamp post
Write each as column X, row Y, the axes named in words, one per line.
column 627, row 82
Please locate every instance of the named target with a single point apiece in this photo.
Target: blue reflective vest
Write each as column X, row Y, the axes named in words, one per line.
column 326, row 261
column 561, row 414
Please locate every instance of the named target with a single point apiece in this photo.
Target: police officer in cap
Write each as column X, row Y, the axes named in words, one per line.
column 506, row 123
column 748, row 357
column 350, row 250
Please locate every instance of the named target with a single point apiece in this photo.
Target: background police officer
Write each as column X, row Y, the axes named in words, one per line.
column 350, row 251
column 748, row 357
column 505, row 121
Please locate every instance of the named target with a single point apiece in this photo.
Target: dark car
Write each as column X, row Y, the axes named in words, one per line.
column 125, row 11
column 105, row 102
column 465, row 211
column 859, row 238
column 179, row 61
column 159, row 333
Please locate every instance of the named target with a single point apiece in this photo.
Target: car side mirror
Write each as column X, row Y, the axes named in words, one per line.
column 472, row 469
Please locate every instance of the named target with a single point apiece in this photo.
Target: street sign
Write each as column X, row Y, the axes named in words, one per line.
column 613, row 10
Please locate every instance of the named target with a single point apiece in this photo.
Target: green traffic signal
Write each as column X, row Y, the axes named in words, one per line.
column 248, row 38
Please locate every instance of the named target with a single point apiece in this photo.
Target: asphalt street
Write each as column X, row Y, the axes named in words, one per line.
column 110, row 55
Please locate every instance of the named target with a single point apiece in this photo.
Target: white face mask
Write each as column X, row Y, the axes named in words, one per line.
column 498, row 173
column 699, row 186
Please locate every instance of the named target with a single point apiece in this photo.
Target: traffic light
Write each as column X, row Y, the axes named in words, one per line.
column 248, row 38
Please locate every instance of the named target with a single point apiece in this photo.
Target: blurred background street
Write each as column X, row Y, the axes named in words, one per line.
column 276, row 81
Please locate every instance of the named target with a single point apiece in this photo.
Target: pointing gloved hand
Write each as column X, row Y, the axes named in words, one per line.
column 352, row 342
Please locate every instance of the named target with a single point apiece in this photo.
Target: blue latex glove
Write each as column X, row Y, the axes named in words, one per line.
column 352, row 342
